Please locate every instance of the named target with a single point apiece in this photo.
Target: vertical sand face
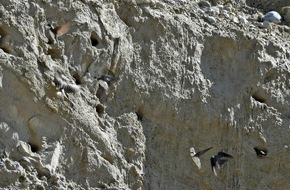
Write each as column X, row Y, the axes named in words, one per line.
column 268, row 5
column 181, row 83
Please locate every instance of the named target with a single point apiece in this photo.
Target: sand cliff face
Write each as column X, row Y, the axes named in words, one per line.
column 178, row 80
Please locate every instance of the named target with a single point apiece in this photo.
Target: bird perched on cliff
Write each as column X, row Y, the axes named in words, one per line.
column 55, row 32
column 64, row 87
column 105, row 80
column 108, row 78
column 195, row 156
column 260, row 151
column 219, row 159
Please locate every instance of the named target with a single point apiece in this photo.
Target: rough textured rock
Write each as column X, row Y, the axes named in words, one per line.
column 176, row 82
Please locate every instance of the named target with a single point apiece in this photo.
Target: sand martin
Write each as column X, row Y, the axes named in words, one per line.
column 217, row 160
column 260, row 151
column 195, row 156
column 65, row 87
column 55, row 32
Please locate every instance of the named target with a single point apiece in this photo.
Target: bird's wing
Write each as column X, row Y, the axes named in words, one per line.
column 213, row 165
column 71, row 88
column 214, row 171
column 62, row 29
column 223, row 154
column 50, row 36
column 104, row 85
column 63, row 93
column 58, row 81
column 202, row 152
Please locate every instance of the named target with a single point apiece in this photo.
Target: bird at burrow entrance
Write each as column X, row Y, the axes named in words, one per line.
column 64, row 87
column 106, row 80
column 261, row 151
column 218, row 160
column 195, row 155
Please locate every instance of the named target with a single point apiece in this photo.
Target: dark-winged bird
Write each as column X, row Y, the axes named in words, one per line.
column 64, row 87
column 195, row 156
column 219, row 159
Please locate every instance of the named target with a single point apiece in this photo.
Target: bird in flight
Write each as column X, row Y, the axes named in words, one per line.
column 57, row 31
column 195, row 155
column 219, row 159
column 65, row 87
